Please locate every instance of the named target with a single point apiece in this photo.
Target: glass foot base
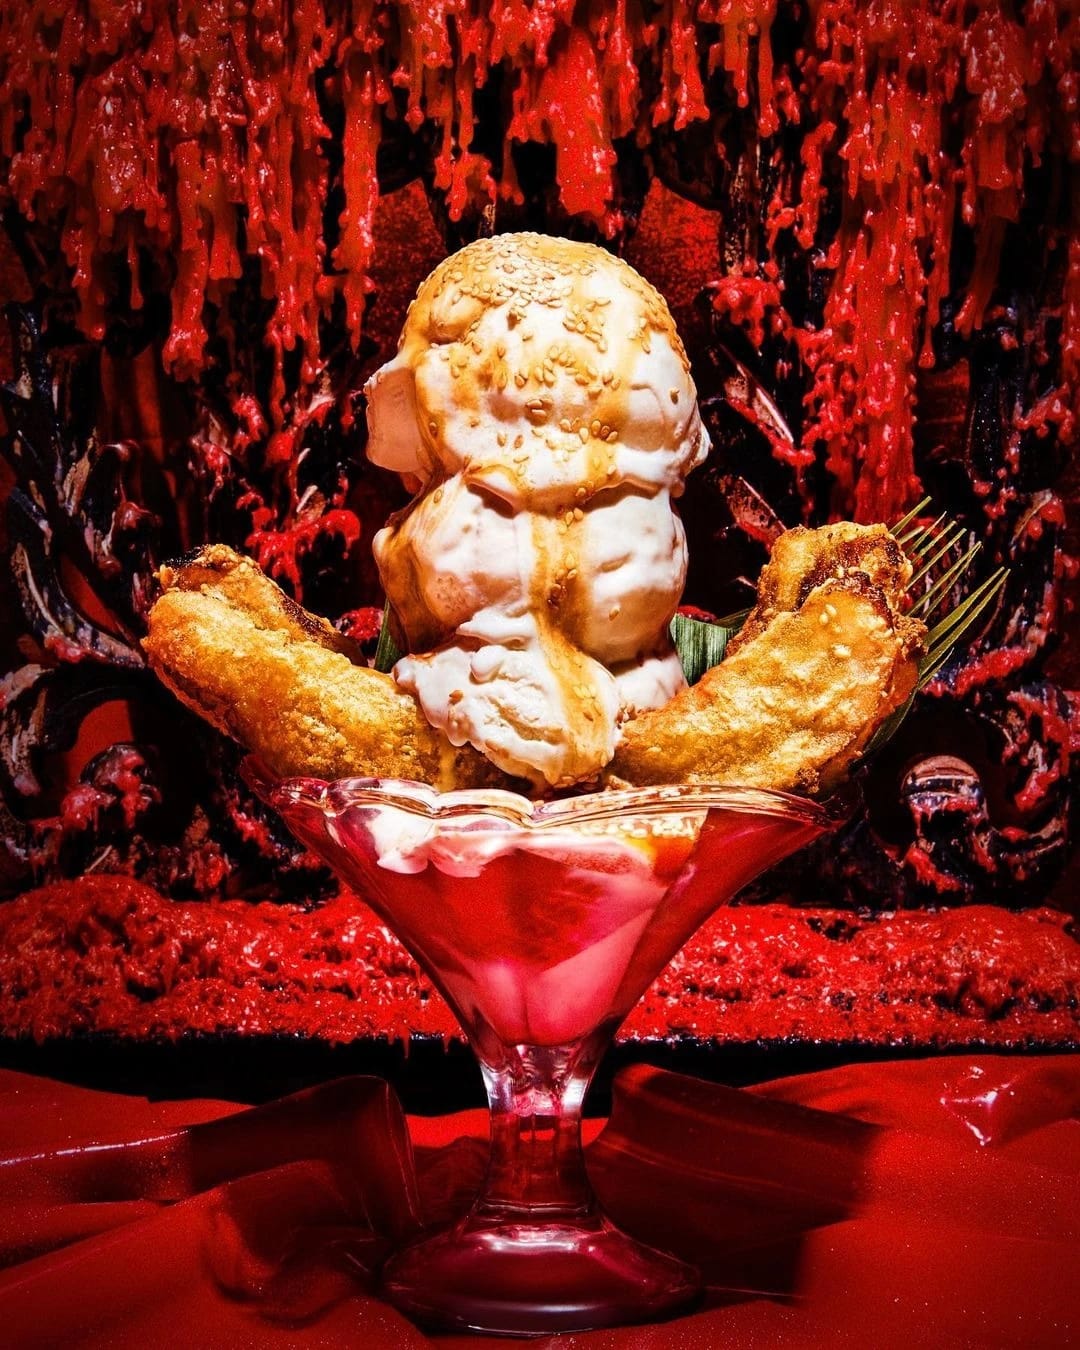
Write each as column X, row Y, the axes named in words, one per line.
column 536, row 1278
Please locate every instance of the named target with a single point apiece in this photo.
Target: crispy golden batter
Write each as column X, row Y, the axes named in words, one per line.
column 802, row 559
column 826, row 660
column 825, row 657
column 285, row 684
column 219, row 570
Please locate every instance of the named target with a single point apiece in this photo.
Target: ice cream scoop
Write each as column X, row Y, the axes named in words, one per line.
column 541, row 405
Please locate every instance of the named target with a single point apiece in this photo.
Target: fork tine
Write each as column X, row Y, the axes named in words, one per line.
column 951, row 536
column 929, row 536
column 949, row 543
column 905, row 520
column 909, row 536
column 938, row 654
column 916, row 541
column 967, row 611
column 928, row 602
column 926, row 546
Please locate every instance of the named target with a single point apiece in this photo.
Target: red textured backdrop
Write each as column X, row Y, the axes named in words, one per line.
column 862, row 213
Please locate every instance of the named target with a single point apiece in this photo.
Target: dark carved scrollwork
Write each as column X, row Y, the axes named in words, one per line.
column 170, row 808
column 972, row 801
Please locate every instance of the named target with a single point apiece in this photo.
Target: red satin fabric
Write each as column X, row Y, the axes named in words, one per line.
column 932, row 1203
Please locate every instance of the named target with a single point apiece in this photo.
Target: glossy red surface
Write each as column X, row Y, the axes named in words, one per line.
column 900, row 1205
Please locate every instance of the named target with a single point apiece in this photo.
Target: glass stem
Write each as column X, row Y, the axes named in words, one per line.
column 537, row 1169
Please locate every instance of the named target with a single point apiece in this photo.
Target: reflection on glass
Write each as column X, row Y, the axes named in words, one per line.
column 541, row 924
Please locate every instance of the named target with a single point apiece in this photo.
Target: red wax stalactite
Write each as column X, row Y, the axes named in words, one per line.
column 882, row 88
column 192, row 132
column 745, row 25
column 752, row 301
column 883, row 91
column 193, row 135
column 363, row 94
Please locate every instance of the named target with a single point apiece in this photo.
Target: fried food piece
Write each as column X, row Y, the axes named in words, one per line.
column 219, row 570
column 796, row 701
column 803, row 559
column 285, row 684
column 825, row 657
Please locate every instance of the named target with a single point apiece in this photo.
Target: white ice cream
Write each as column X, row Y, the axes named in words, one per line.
column 541, row 403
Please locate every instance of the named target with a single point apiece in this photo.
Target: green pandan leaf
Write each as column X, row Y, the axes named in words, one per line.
column 700, row 645
column 386, row 652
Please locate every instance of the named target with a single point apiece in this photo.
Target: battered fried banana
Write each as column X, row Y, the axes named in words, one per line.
column 219, row 570
column 285, row 684
column 826, row 659
column 802, row 559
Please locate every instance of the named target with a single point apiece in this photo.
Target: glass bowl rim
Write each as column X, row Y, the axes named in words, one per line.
column 335, row 797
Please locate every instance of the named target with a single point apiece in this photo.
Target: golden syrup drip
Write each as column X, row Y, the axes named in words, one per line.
column 553, row 593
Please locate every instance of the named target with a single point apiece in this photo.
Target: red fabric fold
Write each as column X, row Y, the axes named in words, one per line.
column 932, row 1203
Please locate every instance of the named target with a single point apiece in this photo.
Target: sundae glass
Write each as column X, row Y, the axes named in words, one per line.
column 541, row 411
column 541, row 923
